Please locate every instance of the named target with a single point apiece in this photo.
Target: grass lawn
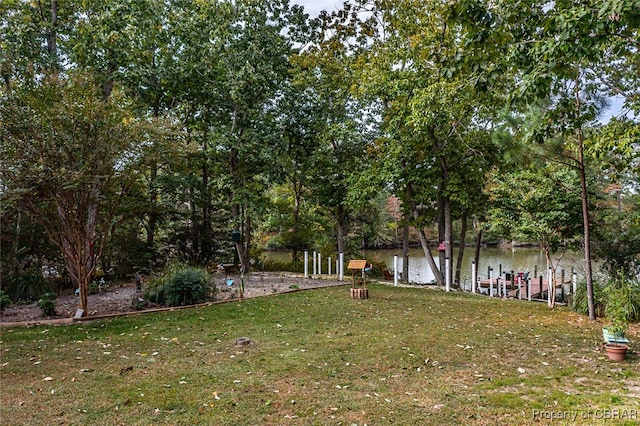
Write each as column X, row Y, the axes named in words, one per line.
column 405, row 356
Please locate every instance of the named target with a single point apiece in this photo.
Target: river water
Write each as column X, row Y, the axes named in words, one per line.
column 505, row 260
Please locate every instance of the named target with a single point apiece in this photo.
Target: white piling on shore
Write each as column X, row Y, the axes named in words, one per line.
column 490, row 282
column 474, row 276
column 447, row 275
column 329, row 264
column 395, row 270
column 315, row 265
column 319, row 263
column 341, row 273
column 306, row 264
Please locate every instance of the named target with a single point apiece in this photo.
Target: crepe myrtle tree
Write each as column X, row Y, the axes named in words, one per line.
column 65, row 159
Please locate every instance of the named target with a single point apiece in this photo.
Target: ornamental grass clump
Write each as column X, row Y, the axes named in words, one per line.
column 181, row 285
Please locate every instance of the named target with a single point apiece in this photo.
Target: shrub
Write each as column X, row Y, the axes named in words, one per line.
column 181, row 285
column 580, row 304
column 623, row 290
column 623, row 299
column 47, row 304
column 4, row 300
column 26, row 286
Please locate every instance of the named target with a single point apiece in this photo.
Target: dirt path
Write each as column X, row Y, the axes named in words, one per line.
column 118, row 299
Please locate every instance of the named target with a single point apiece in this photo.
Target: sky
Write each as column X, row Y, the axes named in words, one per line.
column 313, row 7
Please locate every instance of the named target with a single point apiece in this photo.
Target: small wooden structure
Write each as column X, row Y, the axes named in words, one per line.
column 359, row 286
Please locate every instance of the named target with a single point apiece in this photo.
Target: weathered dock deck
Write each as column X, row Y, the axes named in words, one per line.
column 538, row 287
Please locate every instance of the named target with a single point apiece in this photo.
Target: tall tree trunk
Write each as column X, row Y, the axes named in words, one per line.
column 448, row 237
column 461, row 246
column 195, row 242
column 341, row 218
column 441, row 229
column 206, row 213
column 585, row 208
column 476, row 257
column 52, row 35
column 236, row 208
column 297, row 189
column 153, row 213
column 424, row 242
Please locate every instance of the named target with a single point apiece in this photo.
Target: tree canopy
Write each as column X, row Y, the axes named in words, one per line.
column 137, row 132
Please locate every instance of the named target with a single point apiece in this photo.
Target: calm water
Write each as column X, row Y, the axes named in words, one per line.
column 520, row 259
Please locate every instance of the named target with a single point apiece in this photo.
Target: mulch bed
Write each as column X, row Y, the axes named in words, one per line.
column 121, row 298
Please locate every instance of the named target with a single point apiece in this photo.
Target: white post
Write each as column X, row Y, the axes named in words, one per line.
column 447, row 275
column 315, row 265
column 395, row 270
column 574, row 282
column 306, row 264
column 319, row 263
column 329, row 264
column 490, row 282
column 520, row 288
column 473, row 277
column 341, row 273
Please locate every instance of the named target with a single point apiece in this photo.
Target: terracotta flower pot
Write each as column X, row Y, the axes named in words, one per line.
column 616, row 351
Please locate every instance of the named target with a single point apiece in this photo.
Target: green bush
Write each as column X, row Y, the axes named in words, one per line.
column 47, row 304
column 26, row 286
column 4, row 300
column 623, row 290
column 181, row 285
column 579, row 302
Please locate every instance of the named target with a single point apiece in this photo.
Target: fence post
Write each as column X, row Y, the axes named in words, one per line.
column 341, row 273
column 306, row 264
column 541, row 278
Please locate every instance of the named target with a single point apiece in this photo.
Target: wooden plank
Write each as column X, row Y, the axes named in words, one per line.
column 357, row 264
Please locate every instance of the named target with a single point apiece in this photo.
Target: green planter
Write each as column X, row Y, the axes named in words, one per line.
column 613, row 338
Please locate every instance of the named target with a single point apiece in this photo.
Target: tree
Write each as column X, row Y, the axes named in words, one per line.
column 570, row 54
column 537, row 204
column 435, row 114
column 65, row 155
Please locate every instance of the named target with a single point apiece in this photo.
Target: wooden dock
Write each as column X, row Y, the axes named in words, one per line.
column 513, row 287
